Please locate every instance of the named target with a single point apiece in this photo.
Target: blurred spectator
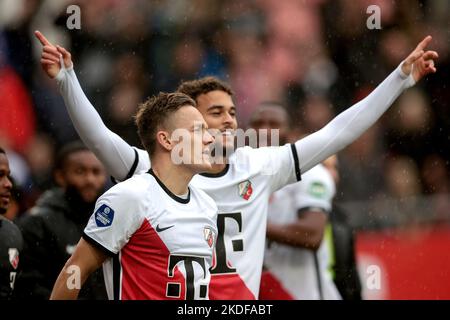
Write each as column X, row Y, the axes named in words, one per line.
column 17, row 204
column 39, row 155
column 16, row 21
column 11, row 241
column 436, row 181
column 403, row 187
column 409, row 125
column 359, row 163
column 435, row 175
column 51, row 115
column 402, row 178
column 316, row 113
column 123, row 106
column 53, row 227
column 20, row 170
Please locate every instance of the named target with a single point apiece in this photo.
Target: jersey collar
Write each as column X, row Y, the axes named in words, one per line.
column 170, row 193
column 218, row 174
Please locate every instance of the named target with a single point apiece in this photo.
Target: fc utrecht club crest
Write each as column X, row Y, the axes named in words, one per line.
column 13, row 257
column 245, row 189
column 209, row 236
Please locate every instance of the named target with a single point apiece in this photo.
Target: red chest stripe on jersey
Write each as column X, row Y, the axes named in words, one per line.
column 144, row 267
column 272, row 289
column 229, row 287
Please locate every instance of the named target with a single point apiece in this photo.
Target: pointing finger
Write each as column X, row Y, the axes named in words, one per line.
column 424, row 43
column 42, row 38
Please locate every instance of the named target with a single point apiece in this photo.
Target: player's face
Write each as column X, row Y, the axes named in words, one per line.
column 198, row 142
column 5, row 183
column 271, row 118
column 219, row 112
column 84, row 172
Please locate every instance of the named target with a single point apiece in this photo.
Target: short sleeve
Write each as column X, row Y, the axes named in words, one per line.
column 117, row 215
column 144, row 163
column 315, row 191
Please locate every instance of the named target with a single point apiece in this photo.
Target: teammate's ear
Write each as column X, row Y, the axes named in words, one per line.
column 163, row 139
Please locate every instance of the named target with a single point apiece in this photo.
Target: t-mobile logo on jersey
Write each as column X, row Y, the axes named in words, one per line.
column 221, row 265
column 173, row 289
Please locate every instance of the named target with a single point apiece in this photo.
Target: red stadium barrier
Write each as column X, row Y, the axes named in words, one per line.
column 413, row 263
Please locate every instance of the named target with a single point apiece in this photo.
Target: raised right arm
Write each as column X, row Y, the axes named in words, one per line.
column 115, row 153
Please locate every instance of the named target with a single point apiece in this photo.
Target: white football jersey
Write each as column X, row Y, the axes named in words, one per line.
column 161, row 245
column 242, row 195
column 297, row 273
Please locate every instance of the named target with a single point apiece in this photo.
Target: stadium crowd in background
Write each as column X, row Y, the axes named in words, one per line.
column 317, row 57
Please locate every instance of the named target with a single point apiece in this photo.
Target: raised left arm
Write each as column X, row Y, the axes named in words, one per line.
column 353, row 122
